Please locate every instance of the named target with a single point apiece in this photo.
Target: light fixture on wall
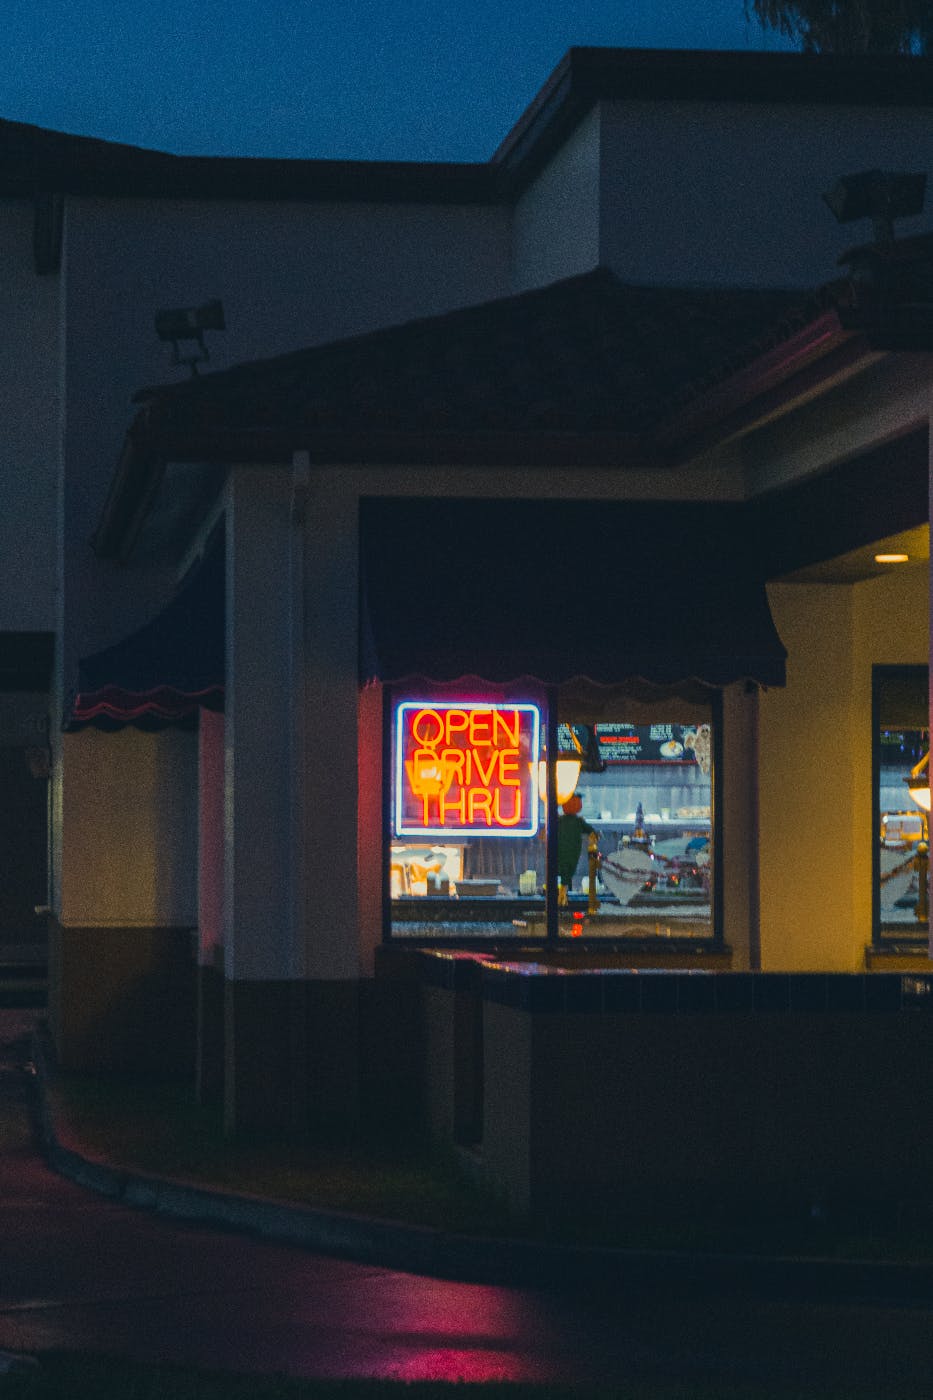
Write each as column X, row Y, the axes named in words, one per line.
column 186, row 326
column 879, row 195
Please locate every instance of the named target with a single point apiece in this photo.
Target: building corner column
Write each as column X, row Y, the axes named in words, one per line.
column 333, row 786
column 209, row 1060
column 265, row 1080
column 740, row 826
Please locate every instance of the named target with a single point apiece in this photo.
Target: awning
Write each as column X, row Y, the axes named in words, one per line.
column 161, row 675
column 666, row 594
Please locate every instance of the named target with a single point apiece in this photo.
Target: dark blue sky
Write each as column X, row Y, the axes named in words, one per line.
column 364, row 79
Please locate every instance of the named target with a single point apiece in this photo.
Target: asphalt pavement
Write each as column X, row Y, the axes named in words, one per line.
column 81, row 1270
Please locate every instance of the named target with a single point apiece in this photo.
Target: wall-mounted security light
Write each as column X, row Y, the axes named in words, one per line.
column 879, row 195
column 185, row 327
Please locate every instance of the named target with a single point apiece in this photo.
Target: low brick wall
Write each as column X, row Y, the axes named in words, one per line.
column 644, row 1086
column 444, row 1095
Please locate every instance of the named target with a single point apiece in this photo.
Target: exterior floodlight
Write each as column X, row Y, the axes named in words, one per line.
column 879, row 195
column 186, row 326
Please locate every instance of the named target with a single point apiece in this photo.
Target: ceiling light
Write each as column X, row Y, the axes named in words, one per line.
column 891, row 558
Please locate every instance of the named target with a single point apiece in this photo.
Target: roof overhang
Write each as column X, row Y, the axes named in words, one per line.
column 814, row 359
column 587, row 76
column 817, row 358
column 35, row 159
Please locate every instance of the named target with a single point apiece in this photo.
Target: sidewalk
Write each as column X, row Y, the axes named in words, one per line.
column 438, row 1253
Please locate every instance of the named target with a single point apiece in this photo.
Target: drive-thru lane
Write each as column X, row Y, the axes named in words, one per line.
column 79, row 1271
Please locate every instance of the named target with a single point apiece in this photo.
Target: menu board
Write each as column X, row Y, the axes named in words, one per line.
column 573, row 739
column 646, row 743
column 466, row 768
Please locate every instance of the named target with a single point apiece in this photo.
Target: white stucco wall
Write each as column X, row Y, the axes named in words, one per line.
column 815, row 763
column 289, row 275
column 130, row 836
column 556, row 222
column 29, row 427
column 701, row 193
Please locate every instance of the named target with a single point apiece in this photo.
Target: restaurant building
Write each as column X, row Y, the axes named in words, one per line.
column 594, row 468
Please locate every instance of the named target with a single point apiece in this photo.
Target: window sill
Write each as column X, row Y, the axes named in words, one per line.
column 898, row 957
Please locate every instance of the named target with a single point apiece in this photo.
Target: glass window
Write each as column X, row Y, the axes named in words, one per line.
column 634, row 841
column 901, row 743
column 467, row 854
column 645, row 791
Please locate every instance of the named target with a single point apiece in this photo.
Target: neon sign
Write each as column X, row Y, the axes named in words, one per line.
column 466, row 768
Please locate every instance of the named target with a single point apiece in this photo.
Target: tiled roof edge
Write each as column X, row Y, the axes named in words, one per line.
column 268, row 364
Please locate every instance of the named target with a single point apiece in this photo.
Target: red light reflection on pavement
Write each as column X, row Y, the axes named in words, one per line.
column 422, row 1329
column 448, row 1364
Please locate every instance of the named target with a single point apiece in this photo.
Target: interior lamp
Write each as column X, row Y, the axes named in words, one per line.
column 918, row 784
column 568, row 771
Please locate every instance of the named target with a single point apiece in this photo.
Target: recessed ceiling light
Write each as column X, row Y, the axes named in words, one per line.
column 891, row 558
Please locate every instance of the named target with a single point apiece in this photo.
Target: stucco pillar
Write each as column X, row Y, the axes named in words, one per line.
column 264, row 1064
column 209, row 1063
column 331, row 757
column 740, row 836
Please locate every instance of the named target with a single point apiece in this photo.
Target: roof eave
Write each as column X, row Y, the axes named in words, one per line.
column 36, row 159
column 588, row 75
column 821, row 355
column 147, row 452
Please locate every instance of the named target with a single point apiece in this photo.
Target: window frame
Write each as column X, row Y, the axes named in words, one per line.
column 886, row 936
column 551, row 938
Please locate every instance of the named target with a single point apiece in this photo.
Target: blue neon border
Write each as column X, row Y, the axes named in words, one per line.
column 509, row 833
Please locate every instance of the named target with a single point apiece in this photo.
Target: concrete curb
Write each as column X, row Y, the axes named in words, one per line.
column 422, row 1250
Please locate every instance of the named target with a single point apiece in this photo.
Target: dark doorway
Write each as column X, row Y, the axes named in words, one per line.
column 23, row 844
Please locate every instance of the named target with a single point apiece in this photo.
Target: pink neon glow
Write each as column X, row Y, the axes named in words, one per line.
column 164, row 702
column 466, row 767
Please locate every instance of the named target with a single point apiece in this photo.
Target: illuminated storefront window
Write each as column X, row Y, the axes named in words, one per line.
column 901, row 746
column 646, row 789
column 466, row 816
column 466, row 769
column 469, row 840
